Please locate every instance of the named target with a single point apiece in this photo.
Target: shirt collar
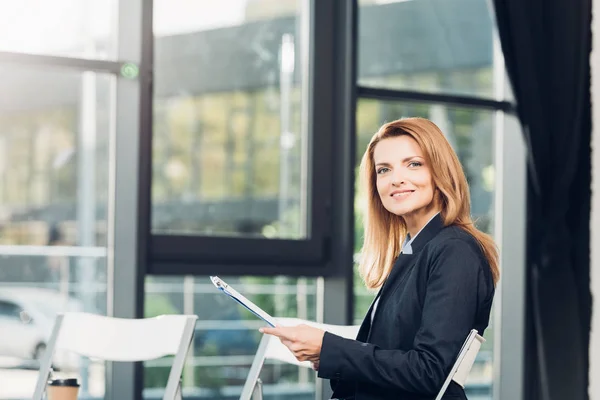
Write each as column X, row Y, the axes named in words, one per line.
column 430, row 229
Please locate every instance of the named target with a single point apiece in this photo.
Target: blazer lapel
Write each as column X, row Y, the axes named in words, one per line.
column 427, row 233
column 365, row 327
column 363, row 331
column 402, row 266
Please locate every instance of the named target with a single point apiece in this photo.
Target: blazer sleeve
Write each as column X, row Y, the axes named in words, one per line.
column 449, row 311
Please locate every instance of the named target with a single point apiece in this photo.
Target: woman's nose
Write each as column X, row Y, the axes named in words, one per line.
column 398, row 177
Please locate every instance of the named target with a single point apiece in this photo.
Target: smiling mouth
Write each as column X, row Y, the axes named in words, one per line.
column 401, row 195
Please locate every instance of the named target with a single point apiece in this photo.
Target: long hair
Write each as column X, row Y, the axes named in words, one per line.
column 385, row 231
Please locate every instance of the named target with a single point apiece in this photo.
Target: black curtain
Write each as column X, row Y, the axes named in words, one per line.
column 546, row 46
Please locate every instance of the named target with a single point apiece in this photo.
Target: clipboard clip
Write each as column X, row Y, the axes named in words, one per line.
column 219, row 283
column 222, row 286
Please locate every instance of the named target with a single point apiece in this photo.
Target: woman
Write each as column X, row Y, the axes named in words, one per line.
column 436, row 273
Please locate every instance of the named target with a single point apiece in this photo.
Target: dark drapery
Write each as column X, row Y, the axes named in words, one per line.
column 546, row 45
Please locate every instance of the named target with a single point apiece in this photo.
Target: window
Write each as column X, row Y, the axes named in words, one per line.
column 240, row 112
column 230, row 165
column 427, row 46
column 223, row 167
column 55, row 129
column 74, row 28
column 227, row 336
column 228, row 138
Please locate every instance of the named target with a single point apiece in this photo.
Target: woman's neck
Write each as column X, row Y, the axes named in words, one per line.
column 414, row 223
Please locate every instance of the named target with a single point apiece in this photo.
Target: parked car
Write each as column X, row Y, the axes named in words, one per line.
column 26, row 319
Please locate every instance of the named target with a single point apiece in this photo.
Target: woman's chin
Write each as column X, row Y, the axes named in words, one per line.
column 400, row 211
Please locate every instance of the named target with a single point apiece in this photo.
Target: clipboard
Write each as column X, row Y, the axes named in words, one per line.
column 235, row 295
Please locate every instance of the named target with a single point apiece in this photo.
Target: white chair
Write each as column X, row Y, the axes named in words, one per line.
column 464, row 362
column 119, row 339
column 270, row 347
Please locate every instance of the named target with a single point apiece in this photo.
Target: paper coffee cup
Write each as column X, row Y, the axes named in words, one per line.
column 62, row 389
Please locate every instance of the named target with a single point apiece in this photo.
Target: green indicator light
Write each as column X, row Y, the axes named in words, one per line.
column 130, row 70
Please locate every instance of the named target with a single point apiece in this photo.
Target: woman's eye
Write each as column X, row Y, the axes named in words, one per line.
column 414, row 164
column 382, row 170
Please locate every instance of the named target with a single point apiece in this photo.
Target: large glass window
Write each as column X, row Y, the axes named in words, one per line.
column 227, row 336
column 229, row 141
column 75, row 28
column 234, row 161
column 55, row 129
column 441, row 46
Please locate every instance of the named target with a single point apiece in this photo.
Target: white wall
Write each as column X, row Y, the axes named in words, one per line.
column 594, row 373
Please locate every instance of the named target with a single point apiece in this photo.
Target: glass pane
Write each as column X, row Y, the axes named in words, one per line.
column 227, row 336
column 54, row 140
column 471, row 133
column 427, row 45
column 75, row 28
column 228, row 138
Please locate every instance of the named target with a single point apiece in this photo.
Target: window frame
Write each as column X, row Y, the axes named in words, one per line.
column 201, row 254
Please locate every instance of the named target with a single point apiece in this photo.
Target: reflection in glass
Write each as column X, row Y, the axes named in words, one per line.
column 471, row 133
column 227, row 336
column 74, row 28
column 429, row 46
column 228, row 133
column 54, row 141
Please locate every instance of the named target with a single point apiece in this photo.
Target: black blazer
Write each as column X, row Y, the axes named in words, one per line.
column 427, row 306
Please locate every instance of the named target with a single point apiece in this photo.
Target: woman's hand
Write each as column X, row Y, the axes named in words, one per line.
column 303, row 341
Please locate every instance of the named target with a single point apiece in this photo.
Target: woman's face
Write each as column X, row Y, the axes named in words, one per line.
column 404, row 180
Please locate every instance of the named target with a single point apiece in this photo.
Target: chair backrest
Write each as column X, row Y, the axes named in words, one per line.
column 464, row 362
column 271, row 347
column 120, row 339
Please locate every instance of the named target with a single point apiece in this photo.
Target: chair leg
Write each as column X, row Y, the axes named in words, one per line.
column 257, row 393
column 249, row 389
column 178, row 392
column 46, row 362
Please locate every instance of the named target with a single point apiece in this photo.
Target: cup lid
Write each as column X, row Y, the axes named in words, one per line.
column 64, row 382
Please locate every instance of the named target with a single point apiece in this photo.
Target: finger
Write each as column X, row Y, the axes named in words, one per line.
column 280, row 332
column 271, row 331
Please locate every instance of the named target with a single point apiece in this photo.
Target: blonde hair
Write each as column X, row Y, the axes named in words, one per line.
column 385, row 231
